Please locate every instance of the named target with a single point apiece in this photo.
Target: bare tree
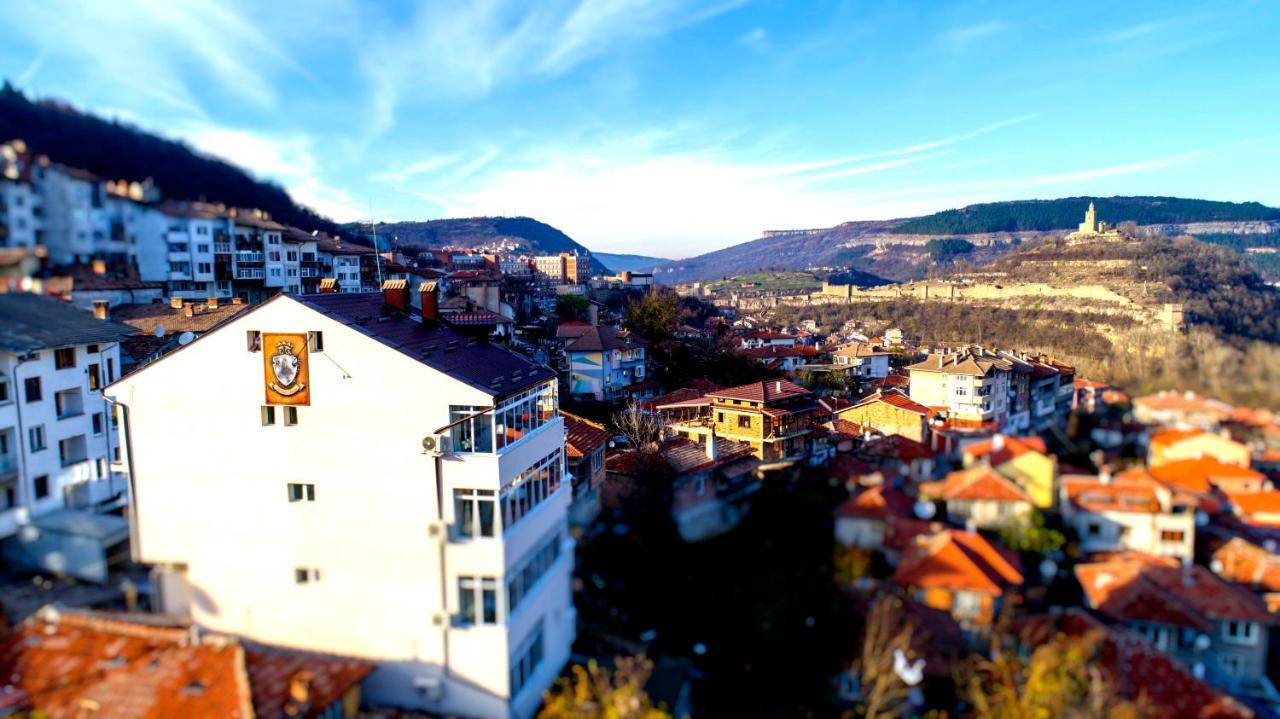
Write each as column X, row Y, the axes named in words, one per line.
column 641, row 427
column 887, row 634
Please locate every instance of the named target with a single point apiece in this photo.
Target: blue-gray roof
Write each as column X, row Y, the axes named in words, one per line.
column 34, row 322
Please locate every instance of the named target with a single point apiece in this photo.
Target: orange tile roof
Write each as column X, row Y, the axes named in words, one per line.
column 1013, row 447
column 953, row 559
column 1092, row 495
column 74, row 663
column 582, row 436
column 1243, row 562
column 981, row 483
column 1171, row 436
column 1202, row 473
column 1256, row 503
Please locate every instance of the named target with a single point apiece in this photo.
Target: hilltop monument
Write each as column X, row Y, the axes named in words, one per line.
column 1092, row 229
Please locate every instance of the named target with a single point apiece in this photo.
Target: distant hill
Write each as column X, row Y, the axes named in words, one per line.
column 482, row 232
column 910, row 248
column 1065, row 213
column 116, row 151
column 632, row 263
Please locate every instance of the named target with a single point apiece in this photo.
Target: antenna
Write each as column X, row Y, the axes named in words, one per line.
column 377, row 254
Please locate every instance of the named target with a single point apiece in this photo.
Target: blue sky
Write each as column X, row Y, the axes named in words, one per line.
column 674, row 128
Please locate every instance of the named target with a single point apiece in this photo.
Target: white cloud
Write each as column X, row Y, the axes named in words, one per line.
column 757, row 40
column 290, row 161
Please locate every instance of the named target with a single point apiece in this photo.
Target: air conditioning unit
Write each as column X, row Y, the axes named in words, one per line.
column 436, row 445
column 440, row 619
column 437, row 529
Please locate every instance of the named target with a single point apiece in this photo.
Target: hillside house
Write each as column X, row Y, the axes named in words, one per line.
column 1118, row 514
column 890, row 412
column 864, row 360
column 774, row 417
column 1024, row 460
column 961, row 573
column 1171, row 445
column 585, row 443
column 971, row 386
column 603, row 361
column 980, row 498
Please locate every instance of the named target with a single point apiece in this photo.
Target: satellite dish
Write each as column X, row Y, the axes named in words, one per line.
column 185, row 338
column 1203, row 641
column 1198, row 670
column 159, row 331
column 699, row 648
column 1269, row 545
column 924, row 510
column 1217, row 566
column 1048, row 568
column 1202, row 519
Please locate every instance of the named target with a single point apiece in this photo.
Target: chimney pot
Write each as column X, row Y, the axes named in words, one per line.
column 212, row 303
column 237, row 301
column 189, row 311
column 99, row 267
column 100, row 309
column 175, row 303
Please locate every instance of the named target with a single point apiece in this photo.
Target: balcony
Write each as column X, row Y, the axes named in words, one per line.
column 249, row 257
column 222, row 248
column 69, row 403
column 309, row 272
column 8, row 465
column 73, row 451
column 250, row 273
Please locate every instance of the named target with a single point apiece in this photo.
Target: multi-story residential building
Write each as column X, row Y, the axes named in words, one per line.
column 1216, row 628
column 188, row 247
column 971, row 386
column 867, row 361
column 773, row 417
column 577, row 268
column 549, row 268
column 456, row 510
column 354, row 268
column 73, row 202
column 1116, row 514
column 57, row 440
column 603, row 361
column 21, row 214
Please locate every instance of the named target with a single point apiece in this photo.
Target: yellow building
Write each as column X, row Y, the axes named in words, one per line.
column 1171, row 445
column 774, row 417
column 1023, row 461
column 890, row 412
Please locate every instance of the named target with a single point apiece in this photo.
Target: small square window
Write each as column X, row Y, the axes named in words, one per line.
column 315, row 342
column 92, row 349
column 303, row 575
column 64, row 358
column 97, row 423
column 268, row 415
column 290, row 416
column 254, row 340
column 41, row 486
column 32, row 389
column 300, row 492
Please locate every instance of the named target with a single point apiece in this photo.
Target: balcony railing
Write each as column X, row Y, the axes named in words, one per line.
column 250, row 273
column 8, row 465
column 248, row 257
column 309, row 272
column 222, row 248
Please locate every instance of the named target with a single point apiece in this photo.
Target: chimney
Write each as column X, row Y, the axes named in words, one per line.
column 997, row 442
column 189, row 311
column 396, row 295
column 237, row 301
column 99, row 267
column 100, row 308
column 212, row 302
column 1104, row 474
column 175, row 303
column 712, row 452
column 777, row 386
column 298, row 703
column 430, row 303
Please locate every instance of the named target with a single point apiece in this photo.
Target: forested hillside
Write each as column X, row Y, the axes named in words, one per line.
column 1066, row 213
column 117, row 151
column 537, row 237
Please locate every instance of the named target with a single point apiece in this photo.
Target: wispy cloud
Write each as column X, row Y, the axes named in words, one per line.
column 757, row 40
column 959, row 38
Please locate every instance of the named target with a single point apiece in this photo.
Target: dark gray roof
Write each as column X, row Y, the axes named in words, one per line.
column 488, row 367
column 35, row 322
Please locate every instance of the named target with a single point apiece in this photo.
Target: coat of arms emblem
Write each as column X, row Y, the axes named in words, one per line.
column 285, row 371
column 284, row 365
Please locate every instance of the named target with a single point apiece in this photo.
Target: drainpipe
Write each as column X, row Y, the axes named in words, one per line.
column 21, row 439
column 135, row 550
column 444, row 576
column 106, row 415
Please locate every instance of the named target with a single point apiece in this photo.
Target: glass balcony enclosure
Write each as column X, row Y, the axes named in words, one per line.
column 485, row 430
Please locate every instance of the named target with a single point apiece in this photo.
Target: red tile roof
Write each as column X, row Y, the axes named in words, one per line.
column 896, row 446
column 685, row 456
column 878, row 502
column 897, row 399
column 1116, row 495
column 1138, row 587
column 1249, row 504
column 1139, row 670
column 582, row 436
column 598, row 338
column 82, row 663
column 952, row 559
column 1203, row 473
column 893, row 380
column 765, row 391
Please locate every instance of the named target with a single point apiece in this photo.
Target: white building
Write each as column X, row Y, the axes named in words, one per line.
column 869, row 361
column 20, row 212
column 1124, row 514
column 972, row 385
column 57, row 445
column 333, row 527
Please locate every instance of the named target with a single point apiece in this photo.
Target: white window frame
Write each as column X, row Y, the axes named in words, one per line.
column 1240, row 632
